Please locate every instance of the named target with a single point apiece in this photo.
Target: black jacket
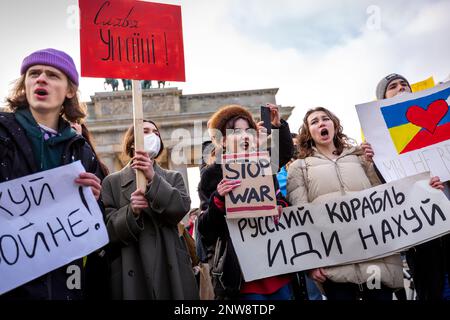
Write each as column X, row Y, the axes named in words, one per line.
column 284, row 150
column 17, row 160
column 429, row 262
column 16, row 154
column 212, row 226
column 211, row 222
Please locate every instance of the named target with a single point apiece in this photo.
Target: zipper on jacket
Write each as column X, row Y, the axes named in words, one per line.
column 341, row 182
column 338, row 174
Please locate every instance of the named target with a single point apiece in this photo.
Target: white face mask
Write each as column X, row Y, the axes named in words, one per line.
column 152, row 144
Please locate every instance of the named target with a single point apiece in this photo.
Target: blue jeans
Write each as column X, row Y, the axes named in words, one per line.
column 446, row 291
column 312, row 289
column 284, row 293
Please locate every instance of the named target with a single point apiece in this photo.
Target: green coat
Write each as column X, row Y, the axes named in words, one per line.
column 151, row 261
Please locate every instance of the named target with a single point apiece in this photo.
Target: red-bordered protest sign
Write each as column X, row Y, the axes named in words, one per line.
column 131, row 40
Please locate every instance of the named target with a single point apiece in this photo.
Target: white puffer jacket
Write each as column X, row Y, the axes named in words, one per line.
column 328, row 179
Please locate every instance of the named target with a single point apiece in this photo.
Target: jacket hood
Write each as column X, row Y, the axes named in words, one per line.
column 27, row 121
column 47, row 152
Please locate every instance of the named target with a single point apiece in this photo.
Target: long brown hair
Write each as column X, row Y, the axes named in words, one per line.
column 71, row 111
column 90, row 140
column 305, row 142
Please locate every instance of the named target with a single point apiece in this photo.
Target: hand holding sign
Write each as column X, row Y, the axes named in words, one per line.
column 368, row 151
column 88, row 179
column 138, row 202
column 56, row 222
column 436, row 183
column 226, row 186
column 142, row 162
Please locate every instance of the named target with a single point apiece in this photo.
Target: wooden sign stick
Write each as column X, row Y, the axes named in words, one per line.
column 138, row 117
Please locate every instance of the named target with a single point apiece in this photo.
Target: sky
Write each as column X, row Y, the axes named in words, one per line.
column 318, row 53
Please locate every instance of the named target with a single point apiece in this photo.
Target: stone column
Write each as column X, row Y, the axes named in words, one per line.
column 179, row 165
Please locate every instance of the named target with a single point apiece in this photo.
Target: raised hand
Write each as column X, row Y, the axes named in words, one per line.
column 275, row 117
column 368, row 151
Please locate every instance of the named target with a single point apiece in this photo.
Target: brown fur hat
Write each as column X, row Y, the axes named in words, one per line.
column 220, row 119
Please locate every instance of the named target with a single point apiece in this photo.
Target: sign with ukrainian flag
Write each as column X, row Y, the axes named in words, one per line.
column 410, row 133
column 415, row 124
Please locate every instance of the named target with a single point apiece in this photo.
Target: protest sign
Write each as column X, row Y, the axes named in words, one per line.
column 255, row 197
column 363, row 225
column 410, row 133
column 131, row 40
column 423, row 85
column 46, row 221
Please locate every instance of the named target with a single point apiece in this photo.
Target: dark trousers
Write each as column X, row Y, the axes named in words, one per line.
column 351, row 291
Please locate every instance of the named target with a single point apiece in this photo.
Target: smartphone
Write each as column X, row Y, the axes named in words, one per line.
column 265, row 116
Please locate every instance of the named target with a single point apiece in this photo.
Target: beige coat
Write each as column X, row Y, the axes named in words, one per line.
column 327, row 179
column 151, row 260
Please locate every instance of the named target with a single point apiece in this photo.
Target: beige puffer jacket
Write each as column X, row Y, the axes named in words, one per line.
column 328, row 179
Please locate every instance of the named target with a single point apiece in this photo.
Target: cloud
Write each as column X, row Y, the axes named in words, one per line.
column 344, row 73
column 316, row 52
column 311, row 26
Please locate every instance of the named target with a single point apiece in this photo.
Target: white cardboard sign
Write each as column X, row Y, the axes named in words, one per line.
column 360, row 226
column 46, row 221
column 410, row 133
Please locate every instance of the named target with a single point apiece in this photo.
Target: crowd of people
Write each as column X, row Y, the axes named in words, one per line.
column 150, row 254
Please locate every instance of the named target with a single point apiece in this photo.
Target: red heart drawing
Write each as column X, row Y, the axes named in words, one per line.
column 428, row 119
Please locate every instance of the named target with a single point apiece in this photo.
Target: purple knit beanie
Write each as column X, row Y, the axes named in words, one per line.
column 54, row 58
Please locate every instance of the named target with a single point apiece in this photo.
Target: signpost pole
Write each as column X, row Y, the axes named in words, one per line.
column 138, row 117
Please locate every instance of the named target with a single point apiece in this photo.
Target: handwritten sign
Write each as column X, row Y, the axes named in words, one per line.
column 131, row 40
column 46, row 221
column 255, row 197
column 372, row 223
column 410, row 133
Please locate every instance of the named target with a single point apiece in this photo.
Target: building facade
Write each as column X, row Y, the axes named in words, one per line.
column 181, row 118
